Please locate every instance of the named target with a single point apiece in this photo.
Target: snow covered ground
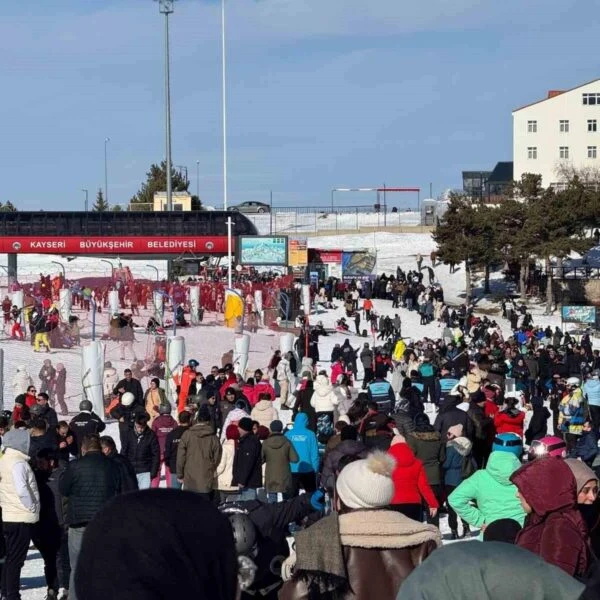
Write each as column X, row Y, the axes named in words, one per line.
column 209, row 341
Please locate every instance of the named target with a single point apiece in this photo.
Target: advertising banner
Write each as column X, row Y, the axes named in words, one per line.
column 358, row 264
column 113, row 245
column 578, row 314
column 298, row 252
column 268, row 251
column 325, row 256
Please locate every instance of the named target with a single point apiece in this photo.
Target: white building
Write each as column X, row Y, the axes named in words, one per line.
column 561, row 130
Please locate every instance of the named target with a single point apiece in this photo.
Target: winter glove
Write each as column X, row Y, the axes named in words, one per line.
column 317, row 500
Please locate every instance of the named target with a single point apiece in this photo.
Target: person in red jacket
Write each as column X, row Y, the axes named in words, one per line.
column 510, row 420
column 554, row 528
column 187, row 376
column 410, row 482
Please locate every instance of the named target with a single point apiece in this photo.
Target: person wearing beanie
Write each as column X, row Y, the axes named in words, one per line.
column 224, row 471
column 349, row 446
column 172, row 444
column 587, row 499
column 20, row 504
column 488, row 494
column 490, row 571
column 554, row 529
column 247, row 470
column 458, row 462
column 364, row 550
column 277, row 455
column 502, row 530
column 188, row 553
column 198, row 456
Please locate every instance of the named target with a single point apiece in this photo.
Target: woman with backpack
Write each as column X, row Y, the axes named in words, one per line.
column 458, row 465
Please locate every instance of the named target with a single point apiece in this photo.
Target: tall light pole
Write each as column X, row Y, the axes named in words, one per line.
column 224, row 102
column 106, row 140
column 198, row 178
column 86, row 199
column 166, row 8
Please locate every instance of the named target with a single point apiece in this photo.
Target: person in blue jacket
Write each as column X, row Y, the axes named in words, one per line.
column 591, row 390
column 586, row 447
column 380, row 391
column 304, row 472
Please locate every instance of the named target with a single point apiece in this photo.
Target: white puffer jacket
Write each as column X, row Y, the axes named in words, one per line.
column 324, row 398
column 225, row 469
column 21, row 381
column 109, row 380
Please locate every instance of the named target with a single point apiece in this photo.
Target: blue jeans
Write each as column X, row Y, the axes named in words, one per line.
column 175, row 485
column 248, row 494
column 144, row 481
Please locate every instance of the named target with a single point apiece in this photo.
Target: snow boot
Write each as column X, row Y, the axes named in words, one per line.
column 454, row 534
column 466, row 531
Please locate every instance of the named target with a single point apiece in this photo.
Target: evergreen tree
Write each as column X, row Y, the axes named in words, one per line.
column 101, row 205
column 7, row 207
column 156, row 181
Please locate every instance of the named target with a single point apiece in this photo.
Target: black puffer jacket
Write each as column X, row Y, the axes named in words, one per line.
column 89, row 483
column 450, row 415
column 85, row 423
column 142, row 451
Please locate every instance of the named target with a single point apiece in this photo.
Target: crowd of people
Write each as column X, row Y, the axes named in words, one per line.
column 355, row 458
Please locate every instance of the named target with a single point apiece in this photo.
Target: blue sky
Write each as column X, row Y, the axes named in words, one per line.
column 322, row 93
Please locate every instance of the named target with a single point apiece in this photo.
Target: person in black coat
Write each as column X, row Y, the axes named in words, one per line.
column 129, row 481
column 141, row 448
column 538, row 425
column 87, row 422
column 88, row 483
column 450, row 415
column 41, row 437
column 247, row 462
column 130, row 384
column 65, row 441
column 172, row 444
column 47, row 412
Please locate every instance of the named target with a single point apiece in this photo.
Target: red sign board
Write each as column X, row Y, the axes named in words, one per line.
column 325, row 256
column 113, row 245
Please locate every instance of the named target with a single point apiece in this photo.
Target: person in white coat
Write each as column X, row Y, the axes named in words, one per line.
column 21, row 381
column 284, row 377
column 224, row 471
column 324, row 400
column 20, row 504
column 264, row 412
column 110, row 378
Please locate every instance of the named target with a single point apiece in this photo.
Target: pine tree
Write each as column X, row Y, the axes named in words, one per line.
column 101, row 205
column 156, row 181
column 7, row 207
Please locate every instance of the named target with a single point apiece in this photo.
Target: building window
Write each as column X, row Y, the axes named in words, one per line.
column 592, row 152
column 564, row 126
column 563, row 152
column 531, row 126
column 590, row 99
column 532, row 152
column 592, row 125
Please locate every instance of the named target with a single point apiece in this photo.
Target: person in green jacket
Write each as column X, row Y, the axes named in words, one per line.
column 495, row 496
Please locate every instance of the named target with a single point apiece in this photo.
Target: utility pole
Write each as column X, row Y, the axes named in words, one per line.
column 86, row 199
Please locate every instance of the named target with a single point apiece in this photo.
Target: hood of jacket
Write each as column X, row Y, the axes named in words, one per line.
column 404, row 456
column 201, row 430
column 501, row 465
column 263, row 405
column 592, row 385
column 322, row 387
column 426, row 436
column 461, row 444
column 17, row 439
column 301, row 421
column 547, row 484
column 276, row 441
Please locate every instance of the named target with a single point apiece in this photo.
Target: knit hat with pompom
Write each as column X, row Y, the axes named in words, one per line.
column 367, row 483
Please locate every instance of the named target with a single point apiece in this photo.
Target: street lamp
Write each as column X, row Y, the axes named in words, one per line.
column 166, row 8
column 106, row 140
column 224, row 103
column 86, row 199
column 198, row 179
column 112, row 268
column 156, row 269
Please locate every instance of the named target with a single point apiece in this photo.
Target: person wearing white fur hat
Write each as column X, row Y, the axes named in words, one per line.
column 364, row 550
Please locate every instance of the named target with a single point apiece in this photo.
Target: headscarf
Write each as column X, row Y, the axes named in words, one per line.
column 158, row 545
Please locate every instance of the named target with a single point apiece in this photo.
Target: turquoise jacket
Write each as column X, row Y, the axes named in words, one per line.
column 491, row 489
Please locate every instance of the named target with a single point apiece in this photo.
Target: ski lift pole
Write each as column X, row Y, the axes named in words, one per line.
column 93, row 303
column 175, row 305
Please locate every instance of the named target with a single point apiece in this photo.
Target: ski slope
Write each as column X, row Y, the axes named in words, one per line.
column 208, row 342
